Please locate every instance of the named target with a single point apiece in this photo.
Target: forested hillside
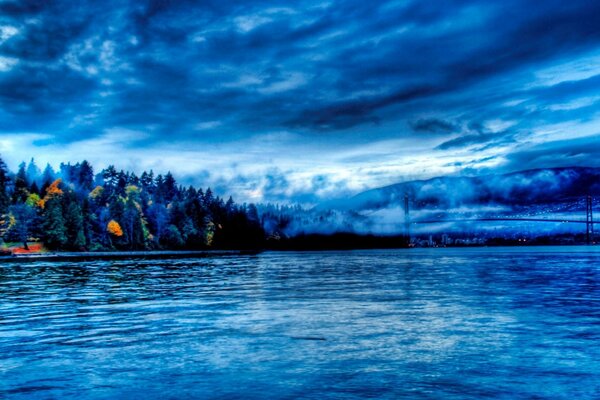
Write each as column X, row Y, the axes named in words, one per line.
column 75, row 209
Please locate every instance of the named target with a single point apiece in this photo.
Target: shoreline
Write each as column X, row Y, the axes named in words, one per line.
column 122, row 255
column 178, row 254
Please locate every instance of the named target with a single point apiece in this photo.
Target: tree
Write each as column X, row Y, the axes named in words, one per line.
column 208, row 198
column 230, row 206
column 73, row 218
column 22, row 220
column 4, row 183
column 110, row 176
column 158, row 219
column 172, row 237
column 33, row 200
column 118, row 209
column 55, row 232
column 21, row 191
column 97, row 194
column 53, row 190
column 170, row 187
column 34, row 188
column 86, row 176
column 132, row 218
column 114, row 228
column 33, row 172
column 159, row 191
column 54, row 227
column 48, row 176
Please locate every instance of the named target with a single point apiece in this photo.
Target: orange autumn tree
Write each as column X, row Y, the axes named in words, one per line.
column 114, row 228
column 52, row 191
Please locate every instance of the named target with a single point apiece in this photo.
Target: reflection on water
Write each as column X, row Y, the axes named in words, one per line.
column 418, row 324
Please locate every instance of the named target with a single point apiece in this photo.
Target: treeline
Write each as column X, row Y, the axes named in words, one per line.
column 75, row 209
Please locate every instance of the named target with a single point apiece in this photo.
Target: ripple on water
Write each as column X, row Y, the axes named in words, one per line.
column 441, row 323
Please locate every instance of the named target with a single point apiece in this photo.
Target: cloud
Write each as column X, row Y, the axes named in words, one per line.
column 6, row 32
column 433, row 125
column 459, row 82
column 7, row 63
column 583, row 151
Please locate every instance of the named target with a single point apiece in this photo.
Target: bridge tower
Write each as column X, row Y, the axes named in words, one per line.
column 406, row 217
column 589, row 221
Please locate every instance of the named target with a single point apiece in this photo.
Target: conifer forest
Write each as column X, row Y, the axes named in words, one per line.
column 75, row 209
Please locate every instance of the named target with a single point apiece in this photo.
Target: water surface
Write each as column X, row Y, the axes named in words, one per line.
column 415, row 324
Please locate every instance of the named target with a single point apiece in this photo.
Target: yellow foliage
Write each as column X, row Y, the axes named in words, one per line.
column 33, row 200
column 132, row 189
column 114, row 228
column 98, row 190
column 209, row 234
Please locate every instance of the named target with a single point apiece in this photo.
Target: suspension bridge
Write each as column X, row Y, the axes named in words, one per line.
column 588, row 221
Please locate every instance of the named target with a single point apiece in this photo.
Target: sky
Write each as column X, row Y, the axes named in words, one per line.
column 301, row 101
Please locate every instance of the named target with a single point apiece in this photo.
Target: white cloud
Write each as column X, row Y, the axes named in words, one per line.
column 7, row 63
column 246, row 23
column 6, row 32
column 575, row 104
column 93, row 56
column 573, row 70
column 292, row 81
column 499, row 125
column 207, row 125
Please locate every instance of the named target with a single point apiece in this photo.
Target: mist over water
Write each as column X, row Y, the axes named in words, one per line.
column 454, row 204
column 419, row 324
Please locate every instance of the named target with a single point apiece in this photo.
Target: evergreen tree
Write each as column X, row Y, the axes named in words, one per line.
column 34, row 188
column 159, row 193
column 158, row 219
column 147, row 181
column 170, row 188
column 55, row 233
column 67, row 172
column 86, row 176
column 22, row 221
column 121, row 211
column 73, row 222
column 4, row 184
column 132, row 220
column 110, row 177
column 230, row 206
column 208, row 198
column 121, row 183
column 33, row 172
column 172, row 238
column 21, row 191
column 48, row 176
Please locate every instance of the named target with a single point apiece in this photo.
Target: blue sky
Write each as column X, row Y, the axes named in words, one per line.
column 303, row 100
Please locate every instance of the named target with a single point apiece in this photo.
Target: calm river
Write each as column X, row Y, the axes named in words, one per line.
column 501, row 323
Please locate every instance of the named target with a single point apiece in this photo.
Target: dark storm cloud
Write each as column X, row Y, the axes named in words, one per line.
column 433, row 125
column 310, row 66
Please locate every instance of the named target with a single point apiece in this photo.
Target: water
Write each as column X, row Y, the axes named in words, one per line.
column 415, row 324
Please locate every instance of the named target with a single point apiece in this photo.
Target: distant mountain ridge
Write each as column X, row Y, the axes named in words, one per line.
column 523, row 188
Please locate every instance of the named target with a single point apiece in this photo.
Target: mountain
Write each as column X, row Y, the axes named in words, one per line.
column 517, row 189
column 453, row 204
